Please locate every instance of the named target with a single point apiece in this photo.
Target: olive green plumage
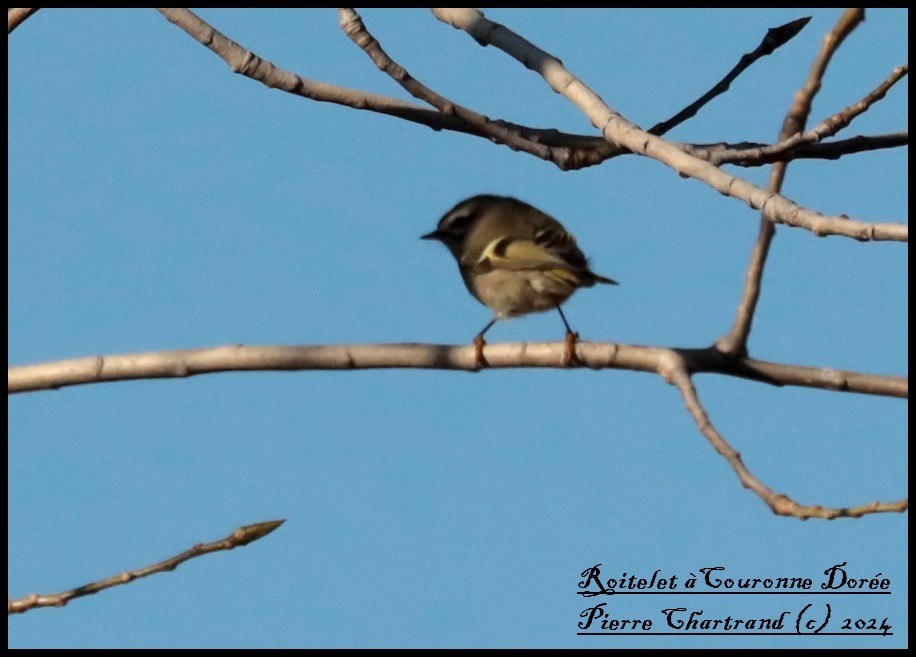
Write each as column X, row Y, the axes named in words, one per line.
column 514, row 258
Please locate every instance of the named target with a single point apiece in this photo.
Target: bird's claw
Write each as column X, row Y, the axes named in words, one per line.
column 569, row 355
column 479, row 358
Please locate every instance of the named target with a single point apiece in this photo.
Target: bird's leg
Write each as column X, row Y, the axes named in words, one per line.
column 569, row 356
column 479, row 343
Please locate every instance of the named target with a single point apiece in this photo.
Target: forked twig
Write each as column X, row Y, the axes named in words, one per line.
column 779, row 503
column 735, row 341
column 826, row 128
column 618, row 130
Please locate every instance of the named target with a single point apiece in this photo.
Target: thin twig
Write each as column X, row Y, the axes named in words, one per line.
column 781, row 504
column 594, row 355
column 617, row 130
column 735, row 341
column 240, row 537
column 823, row 130
column 759, row 154
column 775, row 38
column 15, row 17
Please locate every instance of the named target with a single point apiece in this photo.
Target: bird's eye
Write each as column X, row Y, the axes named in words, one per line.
column 458, row 223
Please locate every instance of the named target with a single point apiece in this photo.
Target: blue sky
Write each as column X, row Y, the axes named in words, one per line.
column 157, row 201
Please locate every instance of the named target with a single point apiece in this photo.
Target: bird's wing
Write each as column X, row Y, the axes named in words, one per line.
column 552, row 238
column 556, row 241
column 518, row 255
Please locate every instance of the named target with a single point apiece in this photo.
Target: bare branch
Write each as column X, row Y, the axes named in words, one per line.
column 759, row 154
column 676, row 374
column 775, row 38
column 569, row 151
column 826, row 128
column 674, row 365
column 240, row 537
column 244, row 62
column 735, row 341
column 594, row 355
column 619, row 136
column 617, row 130
column 353, row 27
column 15, row 17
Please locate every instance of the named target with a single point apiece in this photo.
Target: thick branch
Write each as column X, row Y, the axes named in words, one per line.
column 780, row 504
column 594, row 355
column 15, row 17
column 617, row 130
column 240, row 537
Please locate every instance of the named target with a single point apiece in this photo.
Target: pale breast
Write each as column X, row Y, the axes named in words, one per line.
column 512, row 293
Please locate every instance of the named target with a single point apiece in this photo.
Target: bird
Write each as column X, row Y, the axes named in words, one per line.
column 514, row 259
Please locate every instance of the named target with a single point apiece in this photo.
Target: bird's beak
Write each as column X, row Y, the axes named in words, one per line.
column 435, row 235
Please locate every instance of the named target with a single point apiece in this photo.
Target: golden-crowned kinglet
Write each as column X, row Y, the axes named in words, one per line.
column 514, row 259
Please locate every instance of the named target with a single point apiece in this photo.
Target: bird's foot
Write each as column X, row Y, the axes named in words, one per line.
column 479, row 358
column 570, row 359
